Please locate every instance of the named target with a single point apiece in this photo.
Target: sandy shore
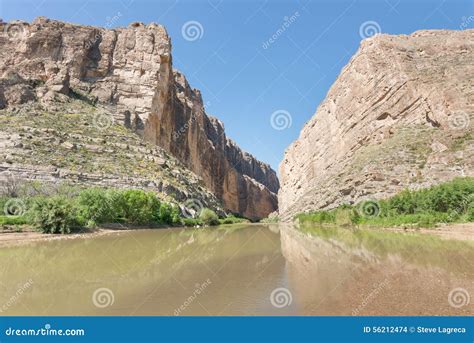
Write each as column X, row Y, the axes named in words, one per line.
column 19, row 238
column 463, row 231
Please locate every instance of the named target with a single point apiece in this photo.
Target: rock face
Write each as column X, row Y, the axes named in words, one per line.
column 128, row 72
column 400, row 115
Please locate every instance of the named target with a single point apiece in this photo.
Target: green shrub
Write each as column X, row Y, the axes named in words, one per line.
column 470, row 214
column 209, row 217
column 445, row 203
column 137, row 206
column 232, row 219
column 96, row 206
column 54, row 215
column 169, row 214
column 191, row 222
column 227, row 221
column 132, row 206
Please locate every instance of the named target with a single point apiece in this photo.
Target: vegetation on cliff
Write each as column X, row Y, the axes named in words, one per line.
column 448, row 202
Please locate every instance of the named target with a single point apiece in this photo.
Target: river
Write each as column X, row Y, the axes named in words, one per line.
column 240, row 270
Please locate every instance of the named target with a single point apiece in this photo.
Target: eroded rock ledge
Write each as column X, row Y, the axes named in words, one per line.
column 129, row 72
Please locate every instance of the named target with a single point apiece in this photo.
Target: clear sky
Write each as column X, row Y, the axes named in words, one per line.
column 224, row 49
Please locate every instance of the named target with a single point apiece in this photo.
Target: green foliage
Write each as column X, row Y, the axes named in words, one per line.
column 137, row 206
column 445, row 203
column 169, row 214
column 470, row 214
column 132, row 206
column 13, row 220
column 209, row 217
column 191, row 222
column 96, row 206
column 232, row 219
column 54, row 215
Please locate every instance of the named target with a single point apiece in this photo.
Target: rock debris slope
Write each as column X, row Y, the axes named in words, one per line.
column 400, row 115
column 126, row 76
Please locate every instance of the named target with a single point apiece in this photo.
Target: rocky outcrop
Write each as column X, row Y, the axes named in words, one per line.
column 45, row 148
column 400, row 115
column 128, row 72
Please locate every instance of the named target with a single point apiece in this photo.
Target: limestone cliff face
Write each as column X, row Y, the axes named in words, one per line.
column 400, row 115
column 245, row 184
column 128, row 72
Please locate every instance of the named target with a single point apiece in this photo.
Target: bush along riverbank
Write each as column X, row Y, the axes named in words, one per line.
column 450, row 202
column 93, row 207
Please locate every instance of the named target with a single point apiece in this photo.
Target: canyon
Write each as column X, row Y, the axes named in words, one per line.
column 399, row 116
column 65, row 89
column 105, row 107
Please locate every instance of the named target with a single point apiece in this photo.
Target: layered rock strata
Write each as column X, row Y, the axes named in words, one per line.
column 400, row 115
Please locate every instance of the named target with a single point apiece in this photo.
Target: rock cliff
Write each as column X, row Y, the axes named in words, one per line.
column 128, row 74
column 399, row 115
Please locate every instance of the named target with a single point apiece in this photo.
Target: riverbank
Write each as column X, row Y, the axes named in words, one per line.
column 447, row 203
column 14, row 238
column 460, row 231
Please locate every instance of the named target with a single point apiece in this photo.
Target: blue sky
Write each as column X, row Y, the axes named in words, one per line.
column 243, row 77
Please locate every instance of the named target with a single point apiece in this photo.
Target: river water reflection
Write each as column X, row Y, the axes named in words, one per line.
column 240, row 270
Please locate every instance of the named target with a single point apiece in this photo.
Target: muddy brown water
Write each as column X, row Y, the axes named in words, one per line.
column 240, row 270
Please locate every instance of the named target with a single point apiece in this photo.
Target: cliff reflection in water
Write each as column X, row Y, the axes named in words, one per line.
column 335, row 271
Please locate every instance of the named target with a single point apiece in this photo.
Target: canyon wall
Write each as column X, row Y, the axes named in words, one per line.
column 128, row 74
column 400, row 115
